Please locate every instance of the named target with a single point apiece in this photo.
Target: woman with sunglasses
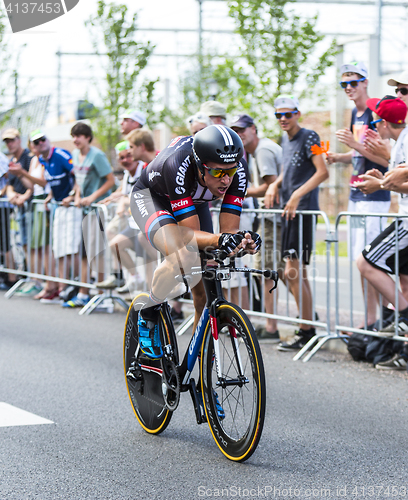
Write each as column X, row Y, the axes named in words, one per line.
column 170, row 205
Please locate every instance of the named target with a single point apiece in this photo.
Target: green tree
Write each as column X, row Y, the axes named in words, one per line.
column 281, row 54
column 278, row 53
column 123, row 58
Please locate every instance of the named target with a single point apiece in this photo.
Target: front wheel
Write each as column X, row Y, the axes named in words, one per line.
column 240, row 390
column 144, row 375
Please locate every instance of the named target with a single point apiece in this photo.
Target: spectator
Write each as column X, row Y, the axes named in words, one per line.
column 5, row 254
column 354, row 81
column 93, row 182
column 373, row 142
column 40, row 225
column 303, row 171
column 197, row 122
column 132, row 119
column 128, row 238
column 58, row 172
column 264, row 161
column 17, row 193
column 377, row 261
column 216, row 111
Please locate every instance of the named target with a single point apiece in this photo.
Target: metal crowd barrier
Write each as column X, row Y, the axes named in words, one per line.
column 319, row 264
column 54, row 247
column 330, row 276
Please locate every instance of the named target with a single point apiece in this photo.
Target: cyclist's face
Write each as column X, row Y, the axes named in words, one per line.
column 218, row 185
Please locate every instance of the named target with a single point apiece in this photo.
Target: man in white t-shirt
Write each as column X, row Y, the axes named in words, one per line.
column 377, row 260
column 264, row 160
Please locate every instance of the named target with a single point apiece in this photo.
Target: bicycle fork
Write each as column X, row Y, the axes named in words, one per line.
column 222, row 380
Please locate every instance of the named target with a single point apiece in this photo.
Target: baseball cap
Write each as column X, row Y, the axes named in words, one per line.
column 36, row 134
column 214, row 108
column 135, row 115
column 10, row 133
column 400, row 78
column 389, row 108
column 242, row 121
column 286, row 101
column 354, row 67
column 122, row 146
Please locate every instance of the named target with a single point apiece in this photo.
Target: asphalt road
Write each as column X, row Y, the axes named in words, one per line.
column 334, row 428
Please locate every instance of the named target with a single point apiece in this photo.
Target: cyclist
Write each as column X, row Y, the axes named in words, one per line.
column 169, row 203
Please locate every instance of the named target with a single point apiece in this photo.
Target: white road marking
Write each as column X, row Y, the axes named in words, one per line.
column 11, row 416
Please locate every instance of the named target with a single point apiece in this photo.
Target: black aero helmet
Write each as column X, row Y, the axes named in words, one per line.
column 218, row 144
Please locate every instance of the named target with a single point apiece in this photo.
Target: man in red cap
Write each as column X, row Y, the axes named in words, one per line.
column 377, row 260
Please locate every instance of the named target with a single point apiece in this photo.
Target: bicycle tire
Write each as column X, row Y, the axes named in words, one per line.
column 238, row 434
column 145, row 394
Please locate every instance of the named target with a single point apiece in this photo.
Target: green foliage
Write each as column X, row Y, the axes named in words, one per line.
column 123, row 58
column 5, row 55
column 279, row 53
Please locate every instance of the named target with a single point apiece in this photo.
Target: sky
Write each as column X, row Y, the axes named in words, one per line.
column 38, row 46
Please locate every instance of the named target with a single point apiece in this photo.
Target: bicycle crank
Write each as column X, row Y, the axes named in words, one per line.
column 170, row 382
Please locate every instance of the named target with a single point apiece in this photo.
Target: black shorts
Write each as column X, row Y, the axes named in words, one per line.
column 290, row 238
column 151, row 212
column 4, row 229
column 381, row 252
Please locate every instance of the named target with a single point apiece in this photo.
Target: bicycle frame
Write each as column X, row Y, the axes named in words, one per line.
column 212, row 277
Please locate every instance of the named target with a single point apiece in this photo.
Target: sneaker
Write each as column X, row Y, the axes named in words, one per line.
column 220, row 409
column 149, row 338
column 262, row 333
column 397, row 362
column 388, row 318
column 28, row 289
column 69, row 292
column 76, row 302
column 130, row 285
column 177, row 317
column 111, row 282
column 300, row 339
column 51, row 298
column 402, row 328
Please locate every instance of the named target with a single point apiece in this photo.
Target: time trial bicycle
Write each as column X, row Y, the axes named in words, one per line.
column 230, row 394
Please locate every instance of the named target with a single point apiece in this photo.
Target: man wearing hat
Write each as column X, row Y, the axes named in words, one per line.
column 17, row 192
column 377, row 260
column 303, row 169
column 354, row 81
column 216, row 111
column 264, row 161
column 131, row 120
column 373, row 142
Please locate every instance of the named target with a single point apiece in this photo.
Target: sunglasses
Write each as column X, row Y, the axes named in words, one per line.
column 37, row 141
column 374, row 122
column 288, row 114
column 221, row 172
column 403, row 91
column 352, row 83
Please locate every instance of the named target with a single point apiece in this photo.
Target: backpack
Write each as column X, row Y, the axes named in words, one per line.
column 372, row 349
column 379, row 350
column 357, row 345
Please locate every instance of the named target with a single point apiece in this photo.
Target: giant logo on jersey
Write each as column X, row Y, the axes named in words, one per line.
column 181, row 172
